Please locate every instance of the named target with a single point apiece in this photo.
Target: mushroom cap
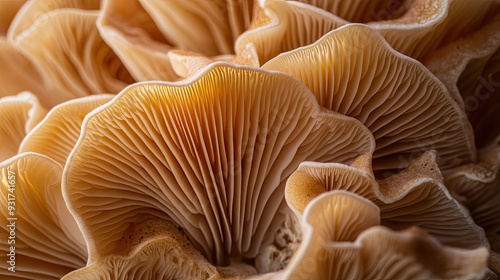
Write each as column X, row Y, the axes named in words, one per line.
column 8, row 10
column 131, row 32
column 477, row 186
column 212, row 27
column 169, row 255
column 19, row 114
column 212, row 153
column 48, row 243
column 352, row 70
column 469, row 69
column 56, row 135
column 341, row 240
column 415, row 196
column 34, row 10
column 18, row 72
column 75, row 64
column 413, row 27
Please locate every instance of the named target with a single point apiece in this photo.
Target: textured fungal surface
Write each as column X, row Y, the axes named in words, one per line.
column 250, row 139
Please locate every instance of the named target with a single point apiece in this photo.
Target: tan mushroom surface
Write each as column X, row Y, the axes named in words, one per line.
column 8, row 10
column 56, row 135
column 414, row 28
column 18, row 72
column 142, row 33
column 341, row 239
column 33, row 10
column 477, row 186
column 19, row 114
column 39, row 231
column 352, row 70
column 415, row 196
column 469, row 69
column 169, row 255
column 211, row 153
column 75, row 64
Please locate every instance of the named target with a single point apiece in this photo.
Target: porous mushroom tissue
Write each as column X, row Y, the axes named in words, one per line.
column 250, row 139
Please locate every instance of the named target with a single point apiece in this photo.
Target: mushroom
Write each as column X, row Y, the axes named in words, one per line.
column 40, row 237
column 352, row 70
column 415, row 196
column 33, row 10
column 342, row 240
column 19, row 114
column 414, row 28
column 211, row 153
column 168, row 252
column 74, row 64
column 477, row 187
column 8, row 10
column 469, row 69
column 142, row 33
column 56, row 135
column 17, row 72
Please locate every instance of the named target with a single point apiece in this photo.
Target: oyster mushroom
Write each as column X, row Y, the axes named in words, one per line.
column 352, row 70
column 211, row 153
column 56, row 135
column 42, row 235
column 8, row 10
column 342, row 240
column 414, row 28
column 414, row 197
column 19, row 114
column 169, row 255
column 74, row 64
column 33, row 10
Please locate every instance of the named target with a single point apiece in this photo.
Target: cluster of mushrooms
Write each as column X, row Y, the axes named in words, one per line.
column 250, row 139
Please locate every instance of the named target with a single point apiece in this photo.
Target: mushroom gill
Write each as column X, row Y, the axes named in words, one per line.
column 342, row 240
column 19, row 114
column 352, row 70
column 75, row 64
column 212, row 154
column 56, row 135
column 42, row 238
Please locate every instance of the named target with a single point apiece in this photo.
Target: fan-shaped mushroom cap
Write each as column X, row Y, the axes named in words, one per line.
column 469, row 69
column 211, row 153
column 56, row 135
column 45, row 239
column 33, row 10
column 8, row 10
column 414, row 28
column 286, row 25
column 19, row 114
column 75, row 64
column 207, row 27
column 353, row 71
column 17, row 72
column 477, row 186
column 414, row 197
column 341, row 240
column 168, row 253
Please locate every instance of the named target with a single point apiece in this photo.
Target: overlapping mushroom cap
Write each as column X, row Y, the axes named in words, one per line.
column 342, row 240
column 56, row 135
column 353, row 71
column 414, row 28
column 212, row 154
column 19, row 114
column 39, row 231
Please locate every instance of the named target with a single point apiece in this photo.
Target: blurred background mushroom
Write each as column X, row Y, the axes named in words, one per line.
column 212, row 154
column 47, row 242
column 19, row 114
